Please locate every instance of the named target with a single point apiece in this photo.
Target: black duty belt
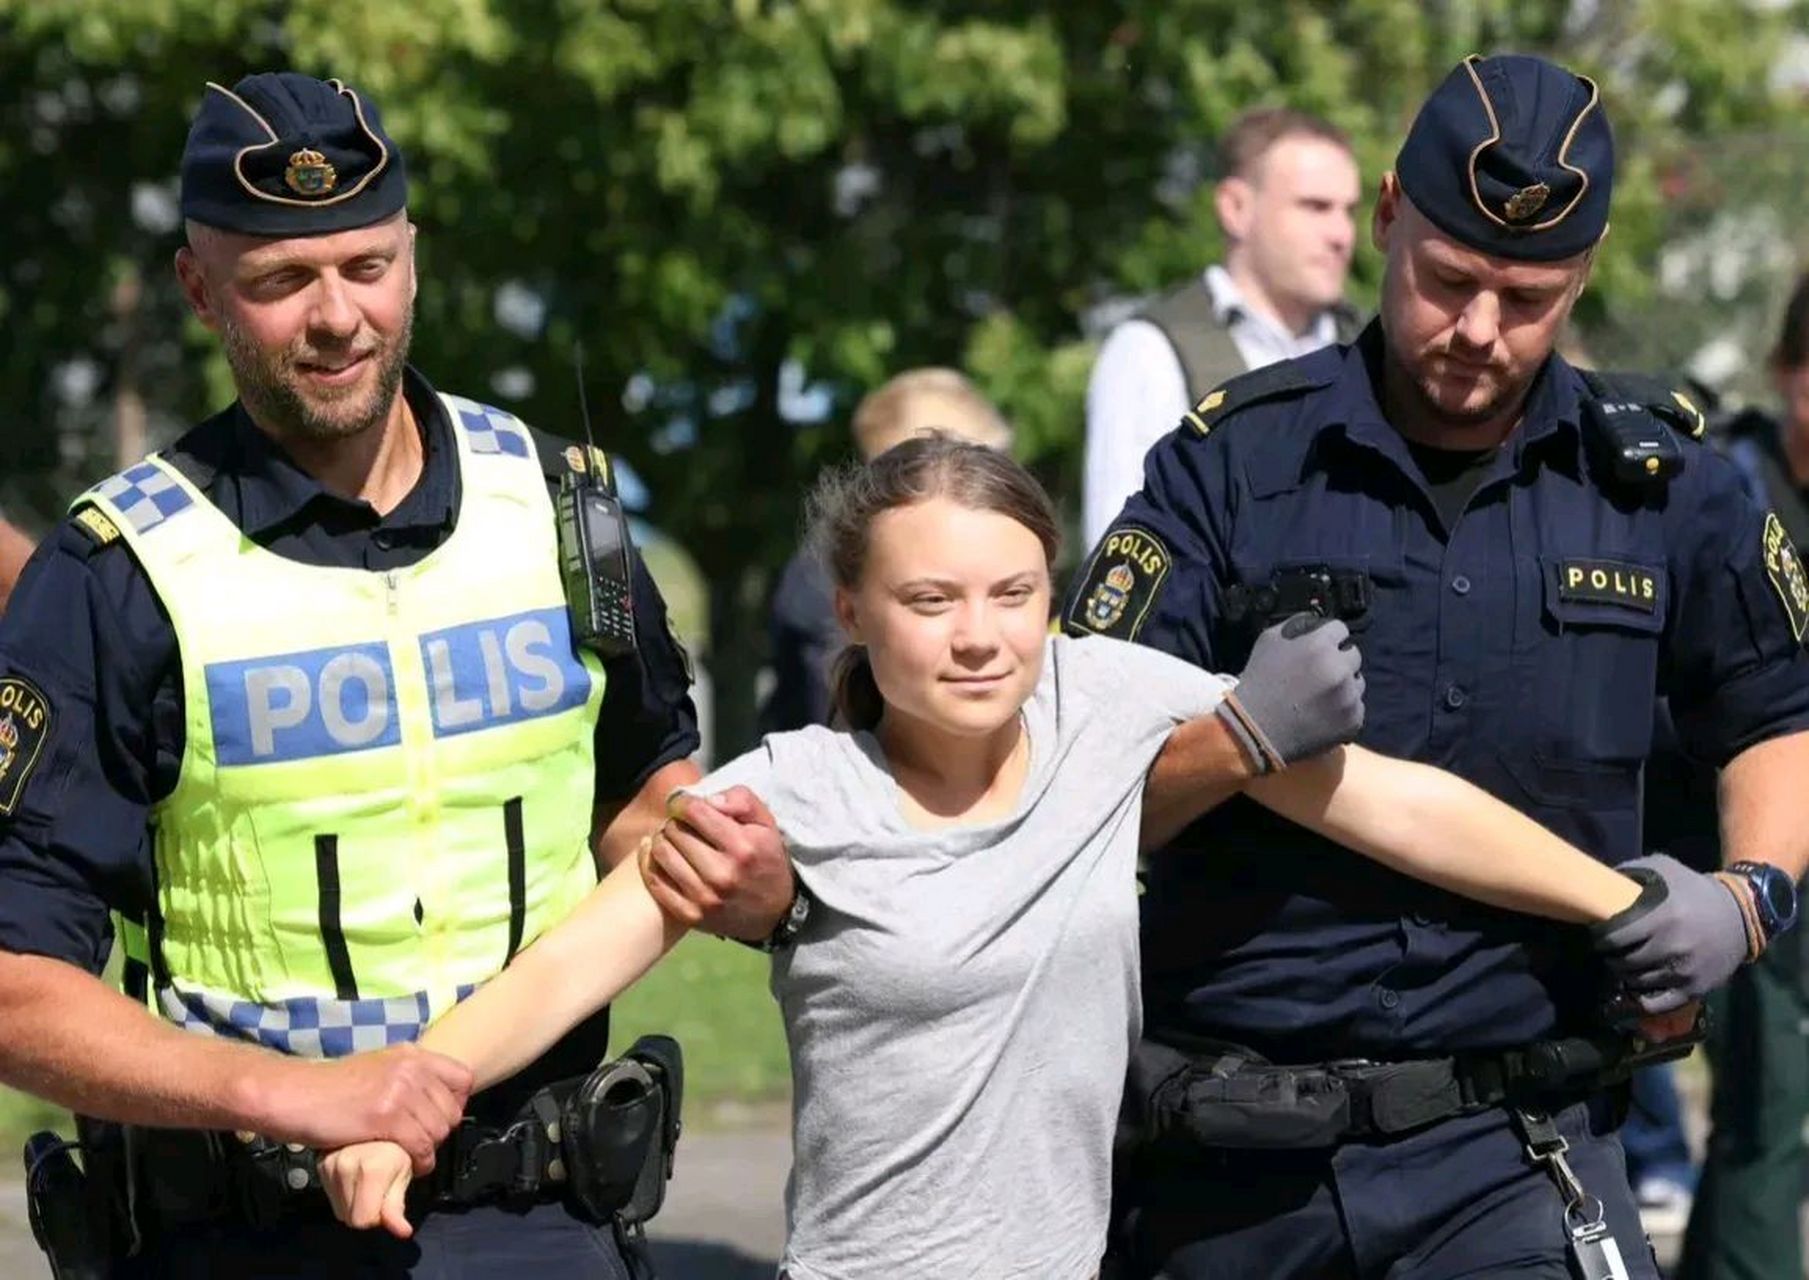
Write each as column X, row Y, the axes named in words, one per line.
column 601, row 1143
column 1221, row 1096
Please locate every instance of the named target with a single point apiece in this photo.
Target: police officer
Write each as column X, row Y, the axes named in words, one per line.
column 1526, row 558
column 298, row 700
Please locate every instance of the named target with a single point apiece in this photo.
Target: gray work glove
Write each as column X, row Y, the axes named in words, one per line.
column 1300, row 694
column 1683, row 937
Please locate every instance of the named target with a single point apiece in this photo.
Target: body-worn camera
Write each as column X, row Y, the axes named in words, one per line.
column 1631, row 443
column 593, row 557
column 1330, row 593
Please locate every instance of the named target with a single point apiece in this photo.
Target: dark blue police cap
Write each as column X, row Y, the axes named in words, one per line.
column 1512, row 156
column 281, row 154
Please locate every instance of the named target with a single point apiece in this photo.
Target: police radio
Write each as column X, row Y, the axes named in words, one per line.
column 593, row 548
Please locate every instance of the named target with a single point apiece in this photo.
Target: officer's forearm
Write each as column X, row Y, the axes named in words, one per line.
column 575, row 968
column 1200, row 768
column 69, row 1038
column 1764, row 805
column 617, row 829
column 1436, row 827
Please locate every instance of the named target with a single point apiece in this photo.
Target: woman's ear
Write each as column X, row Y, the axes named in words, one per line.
column 847, row 616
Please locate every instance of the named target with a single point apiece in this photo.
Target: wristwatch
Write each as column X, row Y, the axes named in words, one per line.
column 1773, row 895
column 790, row 925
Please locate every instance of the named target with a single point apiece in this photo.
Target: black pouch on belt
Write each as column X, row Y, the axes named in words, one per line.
column 621, row 1126
column 1223, row 1096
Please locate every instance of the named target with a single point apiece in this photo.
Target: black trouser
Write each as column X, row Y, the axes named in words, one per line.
column 543, row 1242
column 1458, row 1199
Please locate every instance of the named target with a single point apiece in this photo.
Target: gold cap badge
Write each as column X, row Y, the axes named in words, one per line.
column 309, row 173
column 1527, row 201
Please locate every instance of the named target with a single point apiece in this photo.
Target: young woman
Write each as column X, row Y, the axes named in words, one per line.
column 962, row 1001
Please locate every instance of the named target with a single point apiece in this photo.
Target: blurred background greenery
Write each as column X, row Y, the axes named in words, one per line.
column 750, row 211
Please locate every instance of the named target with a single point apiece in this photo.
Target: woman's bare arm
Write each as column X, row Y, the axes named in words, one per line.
column 1434, row 826
column 573, row 969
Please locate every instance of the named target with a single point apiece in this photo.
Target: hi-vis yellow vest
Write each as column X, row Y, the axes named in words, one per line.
column 388, row 779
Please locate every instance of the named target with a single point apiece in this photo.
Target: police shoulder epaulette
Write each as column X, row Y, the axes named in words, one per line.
column 96, row 524
column 1273, row 382
column 1665, row 400
column 560, row 457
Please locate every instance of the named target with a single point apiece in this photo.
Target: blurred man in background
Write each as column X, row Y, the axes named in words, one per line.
column 1745, row 1223
column 1286, row 205
column 805, row 637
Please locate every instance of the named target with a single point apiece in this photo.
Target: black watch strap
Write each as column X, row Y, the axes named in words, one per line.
column 790, row 925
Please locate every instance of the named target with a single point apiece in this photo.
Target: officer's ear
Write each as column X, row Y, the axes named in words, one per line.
column 1388, row 211
column 845, row 616
column 193, row 278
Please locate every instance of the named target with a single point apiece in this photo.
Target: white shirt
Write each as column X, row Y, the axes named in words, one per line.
column 1138, row 391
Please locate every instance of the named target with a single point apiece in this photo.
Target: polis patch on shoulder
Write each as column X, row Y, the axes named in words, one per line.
column 24, row 725
column 1785, row 570
column 1608, row 582
column 1121, row 583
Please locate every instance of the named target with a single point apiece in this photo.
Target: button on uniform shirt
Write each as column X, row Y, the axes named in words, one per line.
column 86, row 628
column 1138, row 391
column 1521, row 647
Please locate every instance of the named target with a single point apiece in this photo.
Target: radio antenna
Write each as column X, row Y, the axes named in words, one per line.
column 590, row 441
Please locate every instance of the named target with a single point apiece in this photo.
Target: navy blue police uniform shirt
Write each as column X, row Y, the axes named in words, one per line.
column 1520, row 649
column 86, row 628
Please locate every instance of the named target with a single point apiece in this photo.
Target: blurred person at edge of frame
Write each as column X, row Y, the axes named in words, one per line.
column 1745, row 1222
column 1286, row 205
column 803, row 631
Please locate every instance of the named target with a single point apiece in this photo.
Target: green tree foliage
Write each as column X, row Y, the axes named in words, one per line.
column 729, row 200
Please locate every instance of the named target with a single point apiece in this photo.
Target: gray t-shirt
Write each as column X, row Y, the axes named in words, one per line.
column 962, row 1002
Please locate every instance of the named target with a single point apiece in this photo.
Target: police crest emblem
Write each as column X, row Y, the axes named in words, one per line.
column 24, row 724
column 1120, row 584
column 1109, row 597
column 1527, row 201
column 1785, row 570
column 310, row 174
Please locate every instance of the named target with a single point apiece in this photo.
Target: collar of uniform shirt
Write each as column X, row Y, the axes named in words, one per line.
column 1231, row 308
column 273, row 490
column 1553, row 405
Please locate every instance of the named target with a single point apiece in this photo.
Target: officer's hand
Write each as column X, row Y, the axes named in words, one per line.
column 1683, row 936
column 720, row 864
column 403, row 1094
column 1300, row 694
column 367, row 1184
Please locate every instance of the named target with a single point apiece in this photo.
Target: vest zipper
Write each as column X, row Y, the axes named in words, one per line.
column 390, row 594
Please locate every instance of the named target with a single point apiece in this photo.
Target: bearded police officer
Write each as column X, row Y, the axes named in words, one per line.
column 1375, row 1078
column 301, row 700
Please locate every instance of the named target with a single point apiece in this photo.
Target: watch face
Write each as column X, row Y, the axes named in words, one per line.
column 1779, row 896
column 1774, row 893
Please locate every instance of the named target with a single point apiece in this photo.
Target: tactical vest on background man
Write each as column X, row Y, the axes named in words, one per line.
column 1203, row 343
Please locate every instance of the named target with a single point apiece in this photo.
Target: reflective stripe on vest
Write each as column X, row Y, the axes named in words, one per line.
column 388, row 781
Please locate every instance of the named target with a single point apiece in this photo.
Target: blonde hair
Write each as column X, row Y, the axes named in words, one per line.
column 928, row 399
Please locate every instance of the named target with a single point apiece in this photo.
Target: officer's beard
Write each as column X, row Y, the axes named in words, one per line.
column 269, row 385
column 1429, row 411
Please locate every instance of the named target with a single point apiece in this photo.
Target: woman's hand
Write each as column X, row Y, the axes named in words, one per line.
column 367, row 1184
